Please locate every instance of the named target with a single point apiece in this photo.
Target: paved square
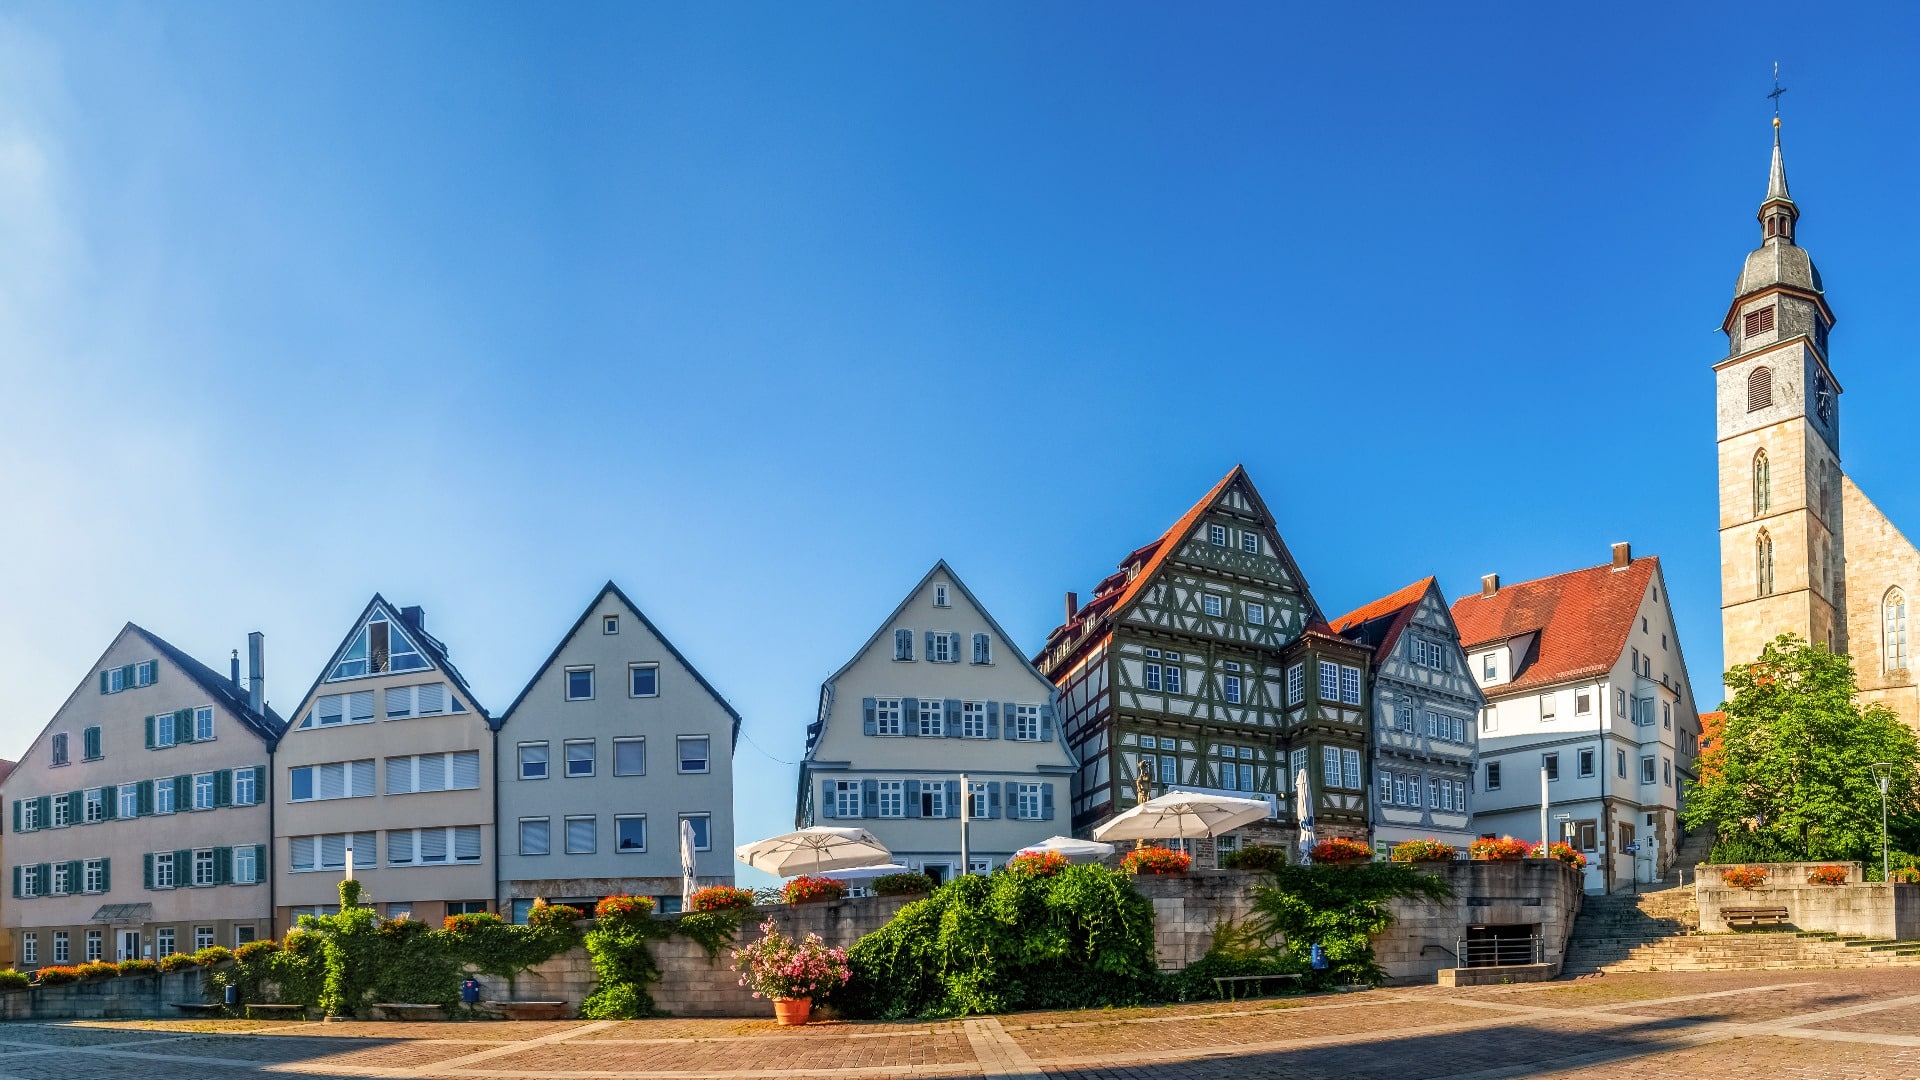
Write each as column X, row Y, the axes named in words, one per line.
column 1788, row 1024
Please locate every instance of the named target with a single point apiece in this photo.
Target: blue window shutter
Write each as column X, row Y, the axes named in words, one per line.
column 910, row 715
column 953, row 647
column 993, row 798
column 1046, row 723
column 930, row 637
column 953, row 798
column 826, row 799
column 870, row 798
column 870, row 725
column 903, row 644
column 1046, row 802
column 146, row 870
column 950, row 712
column 913, row 798
column 993, row 719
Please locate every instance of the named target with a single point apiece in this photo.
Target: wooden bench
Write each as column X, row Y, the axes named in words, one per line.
column 1228, row 985
column 198, row 1009
column 532, row 1010
column 1754, row 916
column 275, row 1012
column 401, row 1010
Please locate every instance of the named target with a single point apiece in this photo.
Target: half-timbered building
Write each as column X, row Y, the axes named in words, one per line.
column 1205, row 661
column 1425, row 702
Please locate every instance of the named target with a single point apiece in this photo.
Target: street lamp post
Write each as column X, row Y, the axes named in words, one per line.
column 1883, row 773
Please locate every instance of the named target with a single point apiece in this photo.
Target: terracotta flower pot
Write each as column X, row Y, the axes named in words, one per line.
column 792, row 1012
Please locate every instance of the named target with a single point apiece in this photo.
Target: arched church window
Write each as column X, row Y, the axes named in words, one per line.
column 1759, row 389
column 1763, row 563
column 1894, row 629
column 1762, row 484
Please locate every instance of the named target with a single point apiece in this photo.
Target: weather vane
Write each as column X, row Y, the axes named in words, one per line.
column 1777, row 91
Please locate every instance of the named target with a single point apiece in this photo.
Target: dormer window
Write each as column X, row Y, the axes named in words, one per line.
column 378, row 648
column 1490, row 666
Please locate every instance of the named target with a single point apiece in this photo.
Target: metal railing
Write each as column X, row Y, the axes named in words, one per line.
column 1501, row 952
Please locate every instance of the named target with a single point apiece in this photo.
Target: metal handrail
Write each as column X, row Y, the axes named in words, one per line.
column 1500, row 952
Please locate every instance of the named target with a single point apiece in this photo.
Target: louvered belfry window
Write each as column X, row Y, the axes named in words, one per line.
column 1759, row 389
column 1759, row 322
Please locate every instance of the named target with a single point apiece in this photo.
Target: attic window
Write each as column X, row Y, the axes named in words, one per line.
column 1759, row 389
column 1759, row 322
column 1217, row 535
column 610, row 624
column 379, row 647
column 940, row 598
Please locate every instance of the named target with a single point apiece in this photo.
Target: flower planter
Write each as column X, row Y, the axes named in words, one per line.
column 792, row 1012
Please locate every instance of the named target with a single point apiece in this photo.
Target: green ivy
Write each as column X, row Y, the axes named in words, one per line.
column 1340, row 907
column 1080, row 938
column 711, row 930
column 623, row 964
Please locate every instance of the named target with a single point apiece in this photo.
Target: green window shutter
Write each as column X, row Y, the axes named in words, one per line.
column 75, row 868
column 183, row 726
column 149, row 732
column 109, row 803
column 104, row 684
column 90, row 743
column 259, row 862
column 16, row 877
column 43, row 873
column 106, row 875
column 45, row 815
column 126, row 676
column 223, row 788
column 183, row 792
column 76, row 806
column 146, row 797
column 182, row 869
column 223, row 866
column 146, row 870
column 16, row 819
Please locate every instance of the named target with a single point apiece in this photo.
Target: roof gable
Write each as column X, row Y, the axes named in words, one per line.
column 429, row 648
column 580, row 624
column 1581, row 619
column 1380, row 623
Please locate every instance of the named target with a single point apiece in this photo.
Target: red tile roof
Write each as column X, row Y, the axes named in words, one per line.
column 1399, row 606
column 1583, row 618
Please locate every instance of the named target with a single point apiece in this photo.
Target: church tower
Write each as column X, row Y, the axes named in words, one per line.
column 1782, row 566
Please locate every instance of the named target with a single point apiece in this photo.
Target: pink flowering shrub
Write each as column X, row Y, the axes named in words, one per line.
column 776, row 966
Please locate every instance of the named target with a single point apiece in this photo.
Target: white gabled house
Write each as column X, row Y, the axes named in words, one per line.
column 938, row 691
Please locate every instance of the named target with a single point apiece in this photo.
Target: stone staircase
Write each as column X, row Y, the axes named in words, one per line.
column 1659, row 930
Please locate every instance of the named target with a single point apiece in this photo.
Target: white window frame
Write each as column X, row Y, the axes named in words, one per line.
column 940, row 647
column 1213, row 605
column 93, row 876
column 1217, row 535
column 618, row 847
column 165, row 874
column 1026, row 723
column 846, row 799
column 567, row 834
column 1249, row 541
column 1330, row 766
column 933, row 712
column 893, row 798
column 245, row 854
column 1297, row 683
column 708, row 818
column 203, row 724
column 633, row 675
column 129, row 798
column 520, row 836
column 1230, row 687
column 566, row 683
column 1350, row 761
column 1256, row 613
column 1349, row 685
column 1175, row 676
column 1329, row 682
column 244, row 781
column 973, row 719
column 202, row 937
column 1027, row 804
column 886, row 717
column 942, row 596
column 521, row 762
column 568, row 746
column 680, row 755
column 1152, row 680
column 203, row 873
column 609, row 624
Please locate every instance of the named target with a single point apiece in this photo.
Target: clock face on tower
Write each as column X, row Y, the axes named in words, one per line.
column 1822, row 398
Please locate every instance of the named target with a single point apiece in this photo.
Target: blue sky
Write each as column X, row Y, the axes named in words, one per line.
column 761, row 309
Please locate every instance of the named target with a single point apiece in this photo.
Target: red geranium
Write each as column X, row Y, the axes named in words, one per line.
column 720, row 898
column 619, row 908
column 1423, row 851
column 812, row 890
column 1339, row 849
column 1828, row 875
column 1744, row 877
column 1155, row 860
column 1566, row 853
column 1042, row 863
column 1485, row 850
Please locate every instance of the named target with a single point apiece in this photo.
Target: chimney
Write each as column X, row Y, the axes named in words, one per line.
column 256, row 672
column 1489, row 584
column 415, row 617
column 234, row 673
column 1622, row 555
column 1073, row 605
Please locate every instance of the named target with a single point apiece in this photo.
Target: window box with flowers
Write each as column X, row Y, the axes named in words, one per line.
column 1156, row 860
column 1744, row 877
column 1828, row 875
column 1428, row 850
column 1500, row 850
column 720, row 898
column 1043, row 863
column 1339, row 849
column 812, row 890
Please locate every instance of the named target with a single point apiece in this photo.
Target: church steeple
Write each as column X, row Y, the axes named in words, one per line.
column 1777, row 213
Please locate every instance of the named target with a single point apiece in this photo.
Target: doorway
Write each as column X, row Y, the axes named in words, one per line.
column 129, row 945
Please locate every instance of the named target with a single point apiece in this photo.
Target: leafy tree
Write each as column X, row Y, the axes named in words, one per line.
column 1791, row 777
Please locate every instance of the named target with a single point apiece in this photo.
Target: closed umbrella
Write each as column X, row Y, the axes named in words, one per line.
column 1303, row 808
column 1184, row 815
column 687, row 879
column 1074, row 850
column 813, row 850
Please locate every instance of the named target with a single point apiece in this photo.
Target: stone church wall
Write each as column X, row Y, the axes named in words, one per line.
column 1878, row 559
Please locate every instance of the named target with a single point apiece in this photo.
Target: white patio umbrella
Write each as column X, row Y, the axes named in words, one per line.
column 1303, row 807
column 867, row 873
column 1185, row 815
column 688, row 882
column 1074, row 850
column 813, row 850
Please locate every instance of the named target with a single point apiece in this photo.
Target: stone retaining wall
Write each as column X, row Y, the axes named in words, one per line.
column 1871, row 908
column 129, row 997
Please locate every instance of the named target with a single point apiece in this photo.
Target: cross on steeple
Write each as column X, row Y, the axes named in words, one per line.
column 1777, row 91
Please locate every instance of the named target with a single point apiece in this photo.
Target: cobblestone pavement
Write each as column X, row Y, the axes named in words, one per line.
column 1786, row 1024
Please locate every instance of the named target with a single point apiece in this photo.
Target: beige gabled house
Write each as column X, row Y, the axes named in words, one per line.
column 138, row 817
column 938, row 692
column 390, row 757
column 616, row 740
